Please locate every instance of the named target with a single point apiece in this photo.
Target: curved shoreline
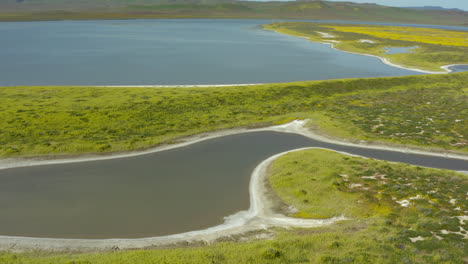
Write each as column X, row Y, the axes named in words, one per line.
column 387, row 62
column 259, row 216
column 446, row 68
column 295, row 127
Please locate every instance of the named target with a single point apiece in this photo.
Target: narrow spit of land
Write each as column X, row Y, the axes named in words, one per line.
column 263, row 210
column 258, row 217
column 400, row 213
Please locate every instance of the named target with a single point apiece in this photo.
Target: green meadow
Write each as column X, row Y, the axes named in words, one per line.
column 322, row 183
column 426, row 110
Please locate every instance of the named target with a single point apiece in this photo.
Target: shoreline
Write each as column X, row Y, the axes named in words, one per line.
column 259, row 216
column 294, row 127
column 446, row 68
column 387, row 62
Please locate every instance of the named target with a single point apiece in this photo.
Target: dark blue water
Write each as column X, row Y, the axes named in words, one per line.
column 145, row 52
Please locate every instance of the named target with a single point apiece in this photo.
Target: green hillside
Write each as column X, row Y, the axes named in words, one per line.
column 24, row 10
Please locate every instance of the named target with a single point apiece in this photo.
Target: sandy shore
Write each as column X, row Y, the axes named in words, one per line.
column 260, row 215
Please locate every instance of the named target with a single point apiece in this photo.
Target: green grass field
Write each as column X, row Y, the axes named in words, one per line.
column 426, row 110
column 324, row 183
column 434, row 47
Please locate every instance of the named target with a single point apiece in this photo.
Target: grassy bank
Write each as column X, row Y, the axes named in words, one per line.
column 433, row 48
column 323, row 183
column 428, row 111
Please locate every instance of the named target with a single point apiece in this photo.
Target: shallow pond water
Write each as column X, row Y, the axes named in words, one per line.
column 459, row 68
column 162, row 193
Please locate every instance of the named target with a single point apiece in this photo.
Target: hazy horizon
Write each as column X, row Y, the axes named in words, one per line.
column 404, row 3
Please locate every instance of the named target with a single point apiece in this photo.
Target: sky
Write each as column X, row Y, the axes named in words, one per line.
column 461, row 4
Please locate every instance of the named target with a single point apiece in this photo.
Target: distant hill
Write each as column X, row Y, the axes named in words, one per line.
column 20, row 10
column 435, row 8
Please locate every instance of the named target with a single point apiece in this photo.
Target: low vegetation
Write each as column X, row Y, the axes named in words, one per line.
column 413, row 34
column 424, row 110
column 419, row 206
column 400, row 214
column 33, row 10
column 429, row 48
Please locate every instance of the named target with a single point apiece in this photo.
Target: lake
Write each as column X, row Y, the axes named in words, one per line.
column 178, row 190
column 162, row 193
column 169, row 52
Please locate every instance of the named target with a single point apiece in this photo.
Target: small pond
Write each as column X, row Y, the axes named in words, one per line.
column 162, row 193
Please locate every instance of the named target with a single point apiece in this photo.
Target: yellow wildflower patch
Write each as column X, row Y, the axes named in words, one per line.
column 421, row 35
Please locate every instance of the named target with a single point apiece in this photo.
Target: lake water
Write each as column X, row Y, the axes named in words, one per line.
column 145, row 52
column 163, row 193
column 173, row 191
